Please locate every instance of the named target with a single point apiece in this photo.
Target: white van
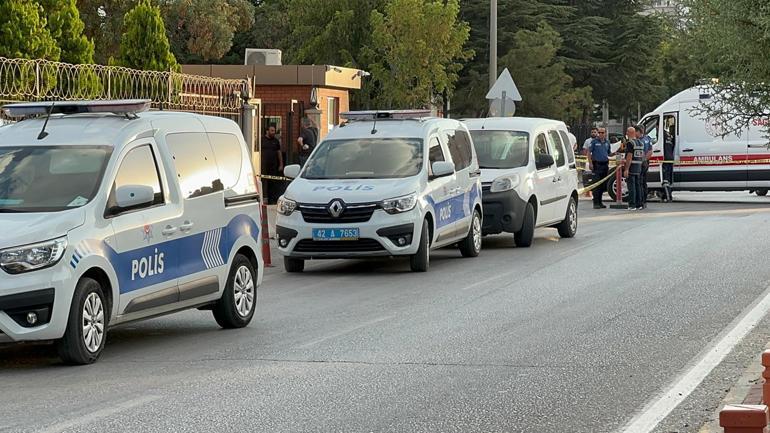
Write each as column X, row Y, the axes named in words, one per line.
column 528, row 175
column 111, row 214
column 385, row 183
column 706, row 161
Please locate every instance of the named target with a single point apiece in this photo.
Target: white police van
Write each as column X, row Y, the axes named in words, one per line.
column 528, row 175
column 112, row 214
column 387, row 183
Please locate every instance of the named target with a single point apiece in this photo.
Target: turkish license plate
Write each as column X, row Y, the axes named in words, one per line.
column 344, row 234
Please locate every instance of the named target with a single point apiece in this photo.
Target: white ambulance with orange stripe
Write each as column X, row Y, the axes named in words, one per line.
column 704, row 160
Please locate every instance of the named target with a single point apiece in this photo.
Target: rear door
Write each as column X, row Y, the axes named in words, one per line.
column 562, row 173
column 652, row 128
column 546, row 179
column 758, row 154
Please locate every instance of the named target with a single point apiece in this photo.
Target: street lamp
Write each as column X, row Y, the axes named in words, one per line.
column 492, row 42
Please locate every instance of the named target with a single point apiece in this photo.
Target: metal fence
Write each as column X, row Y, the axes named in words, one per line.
column 38, row 80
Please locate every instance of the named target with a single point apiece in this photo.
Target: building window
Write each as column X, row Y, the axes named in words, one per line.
column 332, row 112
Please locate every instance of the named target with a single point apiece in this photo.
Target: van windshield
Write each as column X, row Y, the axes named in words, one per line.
column 501, row 149
column 365, row 158
column 50, row 179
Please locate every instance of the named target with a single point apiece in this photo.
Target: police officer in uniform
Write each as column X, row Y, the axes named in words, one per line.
column 647, row 141
column 599, row 152
column 633, row 168
column 668, row 166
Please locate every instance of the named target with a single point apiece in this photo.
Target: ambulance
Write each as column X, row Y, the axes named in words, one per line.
column 113, row 214
column 704, row 159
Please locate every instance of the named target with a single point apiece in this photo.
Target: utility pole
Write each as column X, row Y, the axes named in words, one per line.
column 492, row 42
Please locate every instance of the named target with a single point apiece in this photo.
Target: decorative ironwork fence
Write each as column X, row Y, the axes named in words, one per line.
column 38, row 80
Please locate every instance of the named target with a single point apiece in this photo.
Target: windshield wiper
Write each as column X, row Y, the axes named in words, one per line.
column 8, row 210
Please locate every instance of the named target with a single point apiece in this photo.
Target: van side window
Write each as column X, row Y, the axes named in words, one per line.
column 435, row 153
column 651, row 127
column 460, row 148
column 567, row 147
column 195, row 164
column 541, row 146
column 139, row 167
column 229, row 155
column 558, row 149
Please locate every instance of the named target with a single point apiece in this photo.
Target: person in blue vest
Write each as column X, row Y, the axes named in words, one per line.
column 647, row 142
column 598, row 153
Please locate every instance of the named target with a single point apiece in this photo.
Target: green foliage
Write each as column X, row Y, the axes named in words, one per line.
column 414, row 50
column 545, row 87
column 203, row 30
column 270, row 30
column 23, row 32
column 144, row 44
column 103, row 21
column 733, row 36
column 66, row 27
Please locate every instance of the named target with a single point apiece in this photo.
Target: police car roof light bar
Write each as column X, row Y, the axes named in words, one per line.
column 385, row 115
column 122, row 106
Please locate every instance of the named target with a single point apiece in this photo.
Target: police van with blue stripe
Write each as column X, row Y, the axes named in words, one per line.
column 112, row 214
column 384, row 183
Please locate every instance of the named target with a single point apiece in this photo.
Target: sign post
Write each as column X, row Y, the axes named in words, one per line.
column 503, row 96
column 619, row 183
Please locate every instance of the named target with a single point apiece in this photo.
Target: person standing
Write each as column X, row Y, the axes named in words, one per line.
column 589, row 140
column 668, row 163
column 272, row 164
column 308, row 138
column 598, row 155
column 647, row 142
column 634, row 150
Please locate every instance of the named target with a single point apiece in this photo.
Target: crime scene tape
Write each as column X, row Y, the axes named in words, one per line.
column 269, row 177
column 595, row 185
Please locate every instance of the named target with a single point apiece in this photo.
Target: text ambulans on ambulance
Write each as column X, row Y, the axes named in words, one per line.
column 704, row 159
column 112, row 214
column 388, row 183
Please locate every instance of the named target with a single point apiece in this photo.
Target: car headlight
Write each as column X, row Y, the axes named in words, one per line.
column 404, row 203
column 286, row 206
column 32, row 257
column 504, row 183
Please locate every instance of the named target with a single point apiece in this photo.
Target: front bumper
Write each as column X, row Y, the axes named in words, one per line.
column 503, row 212
column 383, row 235
column 47, row 293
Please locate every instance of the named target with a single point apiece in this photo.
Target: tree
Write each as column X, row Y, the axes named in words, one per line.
column 203, row 30
column 144, row 44
column 540, row 75
column 270, row 30
column 23, row 31
column 415, row 49
column 734, row 36
column 65, row 26
column 103, row 21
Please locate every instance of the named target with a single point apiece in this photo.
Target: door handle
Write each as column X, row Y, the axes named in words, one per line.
column 656, row 151
column 186, row 227
column 169, row 230
column 757, row 146
column 476, row 173
column 687, row 150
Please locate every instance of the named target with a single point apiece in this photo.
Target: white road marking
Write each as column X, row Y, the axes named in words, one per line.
column 660, row 407
column 346, row 331
column 99, row 414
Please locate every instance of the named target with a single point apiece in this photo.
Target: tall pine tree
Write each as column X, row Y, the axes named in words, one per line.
column 144, row 44
column 66, row 27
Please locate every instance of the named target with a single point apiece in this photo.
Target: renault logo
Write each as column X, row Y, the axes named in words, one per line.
column 335, row 208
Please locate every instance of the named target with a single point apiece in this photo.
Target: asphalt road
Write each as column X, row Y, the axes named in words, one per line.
column 569, row 335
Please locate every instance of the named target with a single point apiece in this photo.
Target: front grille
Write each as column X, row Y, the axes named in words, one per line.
column 486, row 186
column 353, row 213
column 359, row 246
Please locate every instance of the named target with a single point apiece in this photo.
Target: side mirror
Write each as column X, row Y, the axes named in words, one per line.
column 292, row 171
column 442, row 168
column 543, row 161
column 129, row 196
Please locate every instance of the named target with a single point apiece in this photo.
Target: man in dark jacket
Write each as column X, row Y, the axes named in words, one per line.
column 272, row 164
column 308, row 138
column 633, row 168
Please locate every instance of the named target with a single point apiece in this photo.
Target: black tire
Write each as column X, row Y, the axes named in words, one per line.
column 524, row 237
column 471, row 245
column 293, row 265
column 420, row 261
column 568, row 227
column 761, row 192
column 610, row 186
column 236, row 307
column 73, row 346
